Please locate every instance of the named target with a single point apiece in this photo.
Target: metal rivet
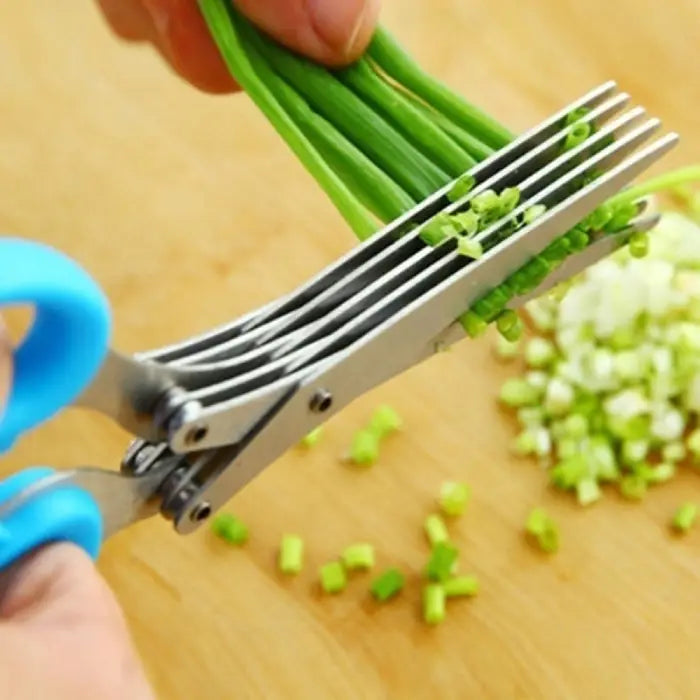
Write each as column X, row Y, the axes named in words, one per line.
column 200, row 512
column 196, row 434
column 321, row 401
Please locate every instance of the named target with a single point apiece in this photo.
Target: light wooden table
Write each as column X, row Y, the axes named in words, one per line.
column 189, row 211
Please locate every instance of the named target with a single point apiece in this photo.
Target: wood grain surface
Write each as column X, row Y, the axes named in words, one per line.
column 189, row 210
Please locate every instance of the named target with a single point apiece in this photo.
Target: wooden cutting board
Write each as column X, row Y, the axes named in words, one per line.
column 190, row 211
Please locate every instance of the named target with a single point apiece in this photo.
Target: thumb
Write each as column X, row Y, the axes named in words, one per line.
column 56, row 581
column 334, row 32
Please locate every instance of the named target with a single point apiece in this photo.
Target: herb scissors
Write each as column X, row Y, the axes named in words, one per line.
column 211, row 412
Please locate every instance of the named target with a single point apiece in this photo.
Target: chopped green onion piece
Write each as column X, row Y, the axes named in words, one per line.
column 358, row 557
column 312, row 438
column 388, row 585
column 533, row 212
column 693, row 443
column 543, row 530
column 454, row 497
column 509, row 325
column 685, row 517
column 576, row 115
column 569, row 471
column 623, row 213
column 436, row 530
column 578, row 133
column 505, row 349
column 508, row 199
column 433, row 604
column 673, row 452
column 600, row 217
column 467, row 221
column 385, row 420
column 576, row 426
column 587, row 491
column 485, row 202
column 442, row 562
column 539, row 353
column 230, row 529
column 462, row 187
column 517, row 393
column 638, row 244
column 469, row 247
column 461, row 586
column 365, row 447
column 525, row 444
column 333, row 578
column 291, row 555
column 633, row 487
column 662, row 472
column 473, row 324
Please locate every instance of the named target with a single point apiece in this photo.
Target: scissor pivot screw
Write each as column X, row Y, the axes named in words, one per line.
column 200, row 512
column 196, row 434
column 321, row 401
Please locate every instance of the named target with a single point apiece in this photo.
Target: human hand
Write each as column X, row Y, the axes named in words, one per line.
column 334, row 32
column 62, row 633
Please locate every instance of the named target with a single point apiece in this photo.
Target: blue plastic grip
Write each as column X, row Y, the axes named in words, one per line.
column 67, row 341
column 67, row 514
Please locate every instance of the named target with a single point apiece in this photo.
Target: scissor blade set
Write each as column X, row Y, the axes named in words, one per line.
column 238, row 397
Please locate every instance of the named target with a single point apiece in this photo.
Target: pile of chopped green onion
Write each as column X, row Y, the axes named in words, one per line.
column 611, row 389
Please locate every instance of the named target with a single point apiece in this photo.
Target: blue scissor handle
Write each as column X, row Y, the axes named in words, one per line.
column 66, row 514
column 68, row 339
column 60, row 355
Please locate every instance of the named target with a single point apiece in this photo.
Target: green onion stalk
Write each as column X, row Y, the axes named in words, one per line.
column 382, row 135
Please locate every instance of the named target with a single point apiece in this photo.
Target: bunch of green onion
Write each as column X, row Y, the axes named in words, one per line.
column 382, row 135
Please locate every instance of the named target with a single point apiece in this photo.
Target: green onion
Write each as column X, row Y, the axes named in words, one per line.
column 388, row 585
column 639, row 244
column 442, row 562
column 576, row 115
column 333, row 578
column 517, row 393
column 461, row 188
column 685, row 517
column 667, row 181
column 633, row 487
column 505, row 349
column 227, row 37
column 509, row 325
column 365, row 447
column 543, row 530
column 435, row 530
column 578, row 133
column 313, row 438
column 508, row 200
column 454, row 498
column 358, row 557
column 534, row 212
column 461, row 586
column 291, row 555
column 230, row 529
column 385, row 420
column 433, row 604
column 411, row 122
column 405, row 164
column 539, row 353
column 391, row 58
column 469, row 248
column 473, row 325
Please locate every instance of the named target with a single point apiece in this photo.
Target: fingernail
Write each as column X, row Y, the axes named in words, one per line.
column 339, row 23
